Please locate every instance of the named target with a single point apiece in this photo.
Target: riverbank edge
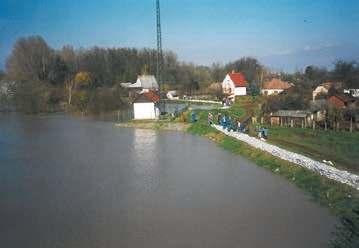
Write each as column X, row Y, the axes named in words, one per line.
column 341, row 200
column 155, row 125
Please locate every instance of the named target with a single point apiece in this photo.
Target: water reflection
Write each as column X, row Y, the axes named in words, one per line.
column 144, row 152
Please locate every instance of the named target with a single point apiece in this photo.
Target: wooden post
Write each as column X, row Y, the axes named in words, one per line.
column 313, row 125
column 302, row 123
column 351, row 124
column 291, row 123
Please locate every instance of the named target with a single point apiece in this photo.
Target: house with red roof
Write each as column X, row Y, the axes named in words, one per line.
column 145, row 106
column 234, row 84
column 274, row 86
column 341, row 101
column 324, row 88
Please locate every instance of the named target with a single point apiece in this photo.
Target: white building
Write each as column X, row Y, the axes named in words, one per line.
column 324, row 88
column 352, row 92
column 274, row 87
column 172, row 95
column 234, row 84
column 145, row 106
column 144, row 83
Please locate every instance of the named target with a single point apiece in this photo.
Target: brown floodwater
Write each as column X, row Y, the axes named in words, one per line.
column 66, row 182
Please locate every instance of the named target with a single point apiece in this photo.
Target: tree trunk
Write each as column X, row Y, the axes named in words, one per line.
column 70, row 95
column 325, row 126
column 313, row 125
column 351, row 124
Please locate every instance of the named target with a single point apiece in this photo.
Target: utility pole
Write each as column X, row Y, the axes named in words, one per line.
column 159, row 45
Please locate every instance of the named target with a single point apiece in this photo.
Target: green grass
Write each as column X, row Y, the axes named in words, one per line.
column 342, row 200
column 342, row 148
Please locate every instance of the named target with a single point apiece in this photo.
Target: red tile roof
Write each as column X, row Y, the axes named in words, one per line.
column 152, row 96
column 340, row 100
column 238, row 79
column 276, row 83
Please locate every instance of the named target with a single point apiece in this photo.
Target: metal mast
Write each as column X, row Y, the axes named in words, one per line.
column 159, row 44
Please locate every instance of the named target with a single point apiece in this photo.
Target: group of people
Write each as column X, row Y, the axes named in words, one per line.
column 226, row 101
column 229, row 124
column 226, row 122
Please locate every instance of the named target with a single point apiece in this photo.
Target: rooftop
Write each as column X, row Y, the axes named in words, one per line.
column 238, row 79
column 149, row 96
column 276, row 83
column 291, row 113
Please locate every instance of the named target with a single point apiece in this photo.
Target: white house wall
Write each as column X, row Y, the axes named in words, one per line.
column 227, row 85
column 319, row 90
column 271, row 91
column 240, row 91
column 144, row 111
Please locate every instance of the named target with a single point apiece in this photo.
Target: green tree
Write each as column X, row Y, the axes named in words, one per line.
column 31, row 97
column 347, row 72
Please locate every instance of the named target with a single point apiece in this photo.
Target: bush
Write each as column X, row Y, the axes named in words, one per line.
column 31, row 97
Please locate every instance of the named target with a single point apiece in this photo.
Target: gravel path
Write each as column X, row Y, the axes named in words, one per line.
column 316, row 166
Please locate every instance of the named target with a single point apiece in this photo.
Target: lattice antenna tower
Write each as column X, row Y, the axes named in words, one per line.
column 159, row 45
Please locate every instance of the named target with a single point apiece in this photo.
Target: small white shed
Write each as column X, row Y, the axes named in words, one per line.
column 145, row 106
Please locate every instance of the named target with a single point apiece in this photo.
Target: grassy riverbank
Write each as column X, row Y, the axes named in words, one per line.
column 340, row 147
column 156, row 125
column 342, row 200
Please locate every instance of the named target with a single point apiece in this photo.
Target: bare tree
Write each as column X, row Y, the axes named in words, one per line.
column 30, row 59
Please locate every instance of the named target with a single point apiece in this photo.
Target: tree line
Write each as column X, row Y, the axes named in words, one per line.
column 88, row 80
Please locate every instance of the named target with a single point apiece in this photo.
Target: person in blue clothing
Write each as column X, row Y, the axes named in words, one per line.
column 193, row 117
column 223, row 122
column 229, row 123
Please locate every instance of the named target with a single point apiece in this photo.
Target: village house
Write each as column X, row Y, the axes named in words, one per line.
column 292, row 118
column 234, row 84
column 341, row 101
column 145, row 106
column 144, row 83
column 352, row 92
column 274, row 87
column 318, row 109
column 324, row 88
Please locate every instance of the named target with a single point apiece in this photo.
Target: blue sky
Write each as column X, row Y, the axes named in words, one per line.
column 283, row 34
